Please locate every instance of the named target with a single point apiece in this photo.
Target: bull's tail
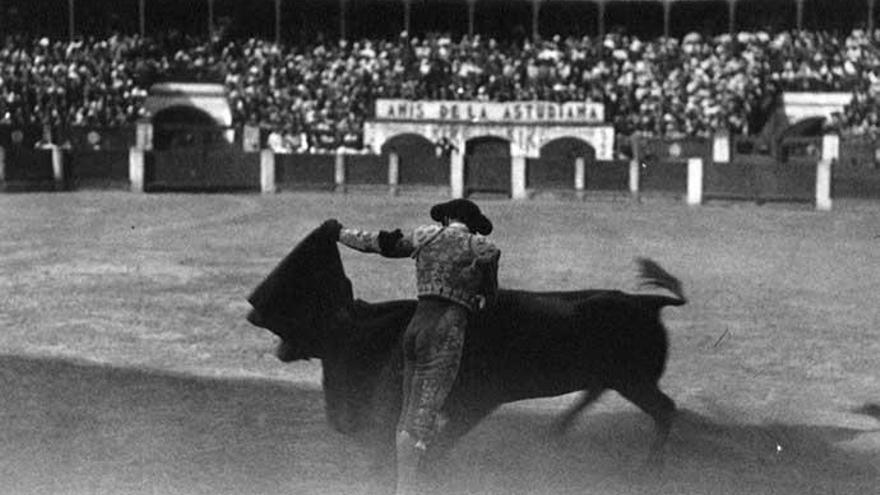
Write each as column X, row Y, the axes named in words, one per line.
column 652, row 275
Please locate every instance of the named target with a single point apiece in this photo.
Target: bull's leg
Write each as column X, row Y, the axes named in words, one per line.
column 588, row 397
column 378, row 435
column 660, row 407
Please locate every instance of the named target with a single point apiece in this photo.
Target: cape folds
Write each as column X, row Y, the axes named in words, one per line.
column 313, row 266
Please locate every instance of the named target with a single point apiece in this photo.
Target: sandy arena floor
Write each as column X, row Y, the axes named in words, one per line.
column 126, row 365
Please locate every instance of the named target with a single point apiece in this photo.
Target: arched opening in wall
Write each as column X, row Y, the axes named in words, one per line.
column 192, row 151
column 487, row 165
column 802, row 141
column 422, row 162
column 555, row 168
column 185, row 127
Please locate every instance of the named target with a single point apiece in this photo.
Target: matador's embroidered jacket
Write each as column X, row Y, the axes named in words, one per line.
column 451, row 262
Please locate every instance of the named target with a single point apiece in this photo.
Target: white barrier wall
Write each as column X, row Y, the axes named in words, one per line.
column 823, row 202
column 518, row 164
column 518, row 175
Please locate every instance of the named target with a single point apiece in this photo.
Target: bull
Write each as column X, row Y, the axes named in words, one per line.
column 524, row 345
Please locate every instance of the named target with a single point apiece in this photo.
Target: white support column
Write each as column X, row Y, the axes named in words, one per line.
column 58, row 167
column 407, row 16
column 267, row 171
column 634, row 171
column 471, row 5
column 518, row 176
column 136, row 169
column 667, row 8
column 142, row 24
column 393, row 173
column 2, row 164
column 695, row 181
column 871, row 4
column 731, row 16
column 456, row 173
column 580, row 177
column 277, row 22
column 339, row 172
column 210, row 19
column 536, row 14
column 343, row 21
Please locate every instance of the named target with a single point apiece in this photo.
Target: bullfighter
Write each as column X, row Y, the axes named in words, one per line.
column 456, row 275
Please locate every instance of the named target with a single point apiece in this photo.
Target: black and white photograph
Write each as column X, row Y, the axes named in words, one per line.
column 439, row 247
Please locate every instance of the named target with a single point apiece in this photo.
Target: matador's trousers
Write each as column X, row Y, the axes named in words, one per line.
column 432, row 349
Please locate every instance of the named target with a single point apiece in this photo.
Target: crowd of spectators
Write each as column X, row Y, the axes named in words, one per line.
column 319, row 96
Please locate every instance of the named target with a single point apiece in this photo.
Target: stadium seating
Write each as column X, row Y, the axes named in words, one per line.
column 318, row 96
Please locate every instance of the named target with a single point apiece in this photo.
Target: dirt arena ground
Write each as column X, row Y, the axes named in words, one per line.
column 126, row 365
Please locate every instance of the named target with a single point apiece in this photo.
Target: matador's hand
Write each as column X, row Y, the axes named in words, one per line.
column 388, row 241
column 332, row 227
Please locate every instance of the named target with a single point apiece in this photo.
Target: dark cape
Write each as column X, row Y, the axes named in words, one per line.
column 310, row 267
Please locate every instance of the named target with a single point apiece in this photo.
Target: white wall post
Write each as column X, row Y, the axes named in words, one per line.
column 393, row 173
column 518, row 176
column 267, row 171
column 456, row 173
column 339, row 172
column 830, row 153
column 695, row 181
column 250, row 139
column 58, row 166
column 823, row 185
column 634, row 171
column 144, row 136
column 721, row 147
column 136, row 169
column 580, row 176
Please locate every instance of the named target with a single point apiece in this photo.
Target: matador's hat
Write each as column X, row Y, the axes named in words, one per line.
column 465, row 210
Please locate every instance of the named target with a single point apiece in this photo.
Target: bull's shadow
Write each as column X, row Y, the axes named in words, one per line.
column 514, row 452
